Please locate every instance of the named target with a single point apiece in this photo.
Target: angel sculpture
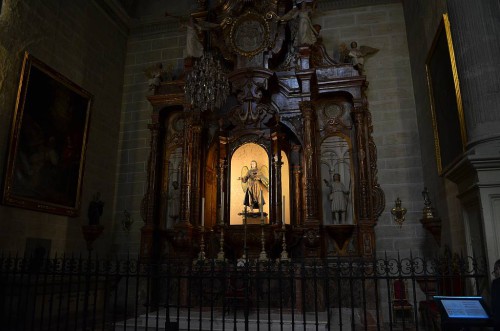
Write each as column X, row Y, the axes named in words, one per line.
column 358, row 55
column 194, row 47
column 154, row 74
column 253, row 181
column 305, row 33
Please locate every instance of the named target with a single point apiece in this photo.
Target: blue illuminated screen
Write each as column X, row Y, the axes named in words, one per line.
column 464, row 308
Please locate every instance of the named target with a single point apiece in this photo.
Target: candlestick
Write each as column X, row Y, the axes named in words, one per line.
column 283, row 212
column 222, row 209
column 261, row 207
column 202, row 211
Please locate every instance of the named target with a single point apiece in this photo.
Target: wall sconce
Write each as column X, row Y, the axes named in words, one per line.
column 398, row 212
column 127, row 221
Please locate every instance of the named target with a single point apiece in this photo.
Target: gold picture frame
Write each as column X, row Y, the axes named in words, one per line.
column 48, row 141
column 450, row 134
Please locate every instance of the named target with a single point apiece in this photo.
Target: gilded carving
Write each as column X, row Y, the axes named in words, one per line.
column 250, row 33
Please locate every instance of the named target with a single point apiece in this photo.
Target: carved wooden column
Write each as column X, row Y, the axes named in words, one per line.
column 277, row 164
column 309, row 169
column 196, row 167
column 149, row 245
column 297, row 211
column 186, row 194
column 359, row 122
column 367, row 179
column 223, row 153
column 311, row 236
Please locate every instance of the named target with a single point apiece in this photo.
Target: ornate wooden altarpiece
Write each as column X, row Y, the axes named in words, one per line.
column 308, row 115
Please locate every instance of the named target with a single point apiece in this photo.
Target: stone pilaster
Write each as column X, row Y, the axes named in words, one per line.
column 476, row 36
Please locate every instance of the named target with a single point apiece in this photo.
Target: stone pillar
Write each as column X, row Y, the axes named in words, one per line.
column 475, row 31
column 476, row 36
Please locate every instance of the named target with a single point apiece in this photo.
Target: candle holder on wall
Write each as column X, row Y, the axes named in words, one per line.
column 430, row 220
column 398, row 212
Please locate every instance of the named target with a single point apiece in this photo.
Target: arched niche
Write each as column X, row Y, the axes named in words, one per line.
column 173, row 124
column 337, row 181
column 240, row 162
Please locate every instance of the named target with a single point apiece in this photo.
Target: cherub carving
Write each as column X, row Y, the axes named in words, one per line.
column 154, row 74
column 358, row 55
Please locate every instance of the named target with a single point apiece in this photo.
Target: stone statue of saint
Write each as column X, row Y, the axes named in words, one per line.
column 339, row 196
column 254, row 180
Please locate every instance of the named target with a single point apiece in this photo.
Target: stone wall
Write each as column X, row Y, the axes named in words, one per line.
column 79, row 40
column 149, row 44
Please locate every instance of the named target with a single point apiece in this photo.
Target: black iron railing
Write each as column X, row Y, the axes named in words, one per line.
column 76, row 293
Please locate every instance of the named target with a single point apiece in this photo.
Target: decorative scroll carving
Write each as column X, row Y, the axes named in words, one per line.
column 250, row 85
column 250, row 110
column 319, row 56
column 297, row 123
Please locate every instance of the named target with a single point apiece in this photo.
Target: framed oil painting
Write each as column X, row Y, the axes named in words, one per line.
column 48, row 141
column 450, row 136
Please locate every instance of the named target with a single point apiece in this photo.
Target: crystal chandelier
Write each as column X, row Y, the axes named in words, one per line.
column 207, row 86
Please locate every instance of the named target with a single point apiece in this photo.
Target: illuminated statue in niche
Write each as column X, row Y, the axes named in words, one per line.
column 253, row 182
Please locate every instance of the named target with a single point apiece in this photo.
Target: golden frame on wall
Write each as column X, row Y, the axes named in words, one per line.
column 48, row 141
column 450, row 135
